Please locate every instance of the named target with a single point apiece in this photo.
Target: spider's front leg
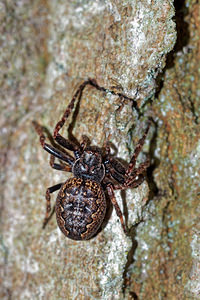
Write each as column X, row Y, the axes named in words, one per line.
column 60, row 139
column 60, row 167
column 52, row 150
column 78, row 150
column 69, row 108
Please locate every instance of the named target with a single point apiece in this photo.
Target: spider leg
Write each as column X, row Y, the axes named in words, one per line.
column 69, row 108
column 130, row 184
column 132, row 181
column 59, row 154
column 60, row 167
column 111, row 172
column 111, row 194
column 118, row 167
column 136, row 152
column 107, row 148
column 72, row 146
column 68, row 145
column 126, row 177
column 85, row 142
column 142, row 167
column 137, row 172
column 49, row 191
column 53, row 151
column 114, row 168
column 61, row 140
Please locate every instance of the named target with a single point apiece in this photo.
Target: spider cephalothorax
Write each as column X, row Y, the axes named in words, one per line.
column 89, row 166
column 81, row 202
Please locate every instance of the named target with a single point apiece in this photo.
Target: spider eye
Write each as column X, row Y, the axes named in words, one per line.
column 84, row 167
column 92, row 169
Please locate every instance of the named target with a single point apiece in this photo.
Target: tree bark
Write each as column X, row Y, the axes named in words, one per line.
column 49, row 48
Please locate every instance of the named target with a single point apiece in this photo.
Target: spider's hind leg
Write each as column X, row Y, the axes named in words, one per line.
column 111, row 194
column 49, row 191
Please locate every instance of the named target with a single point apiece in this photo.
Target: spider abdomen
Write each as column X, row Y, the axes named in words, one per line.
column 80, row 208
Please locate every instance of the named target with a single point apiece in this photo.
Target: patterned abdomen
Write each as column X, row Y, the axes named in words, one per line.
column 80, row 208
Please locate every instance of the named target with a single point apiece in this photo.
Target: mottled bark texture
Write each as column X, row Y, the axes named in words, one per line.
column 47, row 49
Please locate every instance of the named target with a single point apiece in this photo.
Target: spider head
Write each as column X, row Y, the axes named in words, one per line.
column 89, row 166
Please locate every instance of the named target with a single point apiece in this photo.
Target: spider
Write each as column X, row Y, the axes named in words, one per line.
column 81, row 202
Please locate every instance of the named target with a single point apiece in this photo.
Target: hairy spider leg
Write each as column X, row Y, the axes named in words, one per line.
column 111, row 194
column 60, row 139
column 53, row 151
column 137, row 171
column 49, row 191
column 135, row 183
column 136, row 152
column 60, row 167
column 113, row 166
column 132, row 181
column 67, row 144
column 114, row 174
column 69, row 108
column 85, row 142
column 107, row 148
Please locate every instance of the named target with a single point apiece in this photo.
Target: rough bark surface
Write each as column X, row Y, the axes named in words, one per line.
column 49, row 48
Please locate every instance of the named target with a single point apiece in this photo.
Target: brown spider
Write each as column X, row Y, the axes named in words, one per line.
column 81, row 203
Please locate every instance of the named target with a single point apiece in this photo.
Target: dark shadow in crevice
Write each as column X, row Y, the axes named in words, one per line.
column 125, row 207
column 133, row 296
column 182, row 28
column 183, row 37
column 130, row 260
column 153, row 189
